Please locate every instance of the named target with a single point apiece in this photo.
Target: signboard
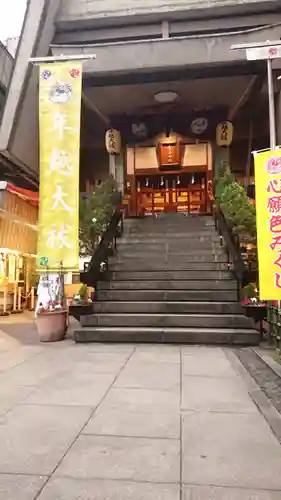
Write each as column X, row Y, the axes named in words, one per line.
column 59, row 122
column 267, row 52
column 268, row 207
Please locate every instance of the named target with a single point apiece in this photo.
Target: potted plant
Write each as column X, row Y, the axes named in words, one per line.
column 253, row 307
column 51, row 310
column 81, row 304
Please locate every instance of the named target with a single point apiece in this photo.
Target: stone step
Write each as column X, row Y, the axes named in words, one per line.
column 183, row 240
column 154, row 254
column 132, row 265
column 152, row 307
column 171, row 228
column 211, row 336
column 167, row 320
column 170, row 275
column 199, row 247
column 152, row 258
column 170, row 236
column 174, row 237
column 167, row 295
column 168, row 285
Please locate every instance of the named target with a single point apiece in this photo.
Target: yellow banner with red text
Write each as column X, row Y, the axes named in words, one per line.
column 60, row 91
column 268, row 207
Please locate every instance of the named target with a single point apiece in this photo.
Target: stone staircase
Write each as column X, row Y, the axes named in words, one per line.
column 168, row 283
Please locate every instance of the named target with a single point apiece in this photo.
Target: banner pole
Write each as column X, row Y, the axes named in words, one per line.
column 271, row 105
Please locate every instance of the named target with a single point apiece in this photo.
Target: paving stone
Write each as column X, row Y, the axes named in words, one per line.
column 223, row 471
column 99, row 362
column 136, row 459
column 72, row 489
column 142, row 400
column 212, row 493
column 152, row 354
column 216, row 394
column 199, row 350
column 230, row 450
column 77, row 388
column 211, row 434
column 207, row 365
column 12, row 394
column 120, row 423
column 13, row 357
column 36, row 371
column 118, row 349
column 35, row 438
column 82, row 353
column 17, row 487
column 150, row 376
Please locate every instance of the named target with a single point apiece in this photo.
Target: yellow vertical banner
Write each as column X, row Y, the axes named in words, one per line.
column 60, row 90
column 268, row 207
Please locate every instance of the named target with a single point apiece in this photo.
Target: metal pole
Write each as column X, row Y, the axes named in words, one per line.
column 272, row 124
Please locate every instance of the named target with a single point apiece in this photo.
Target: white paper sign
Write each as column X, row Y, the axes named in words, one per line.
column 48, row 290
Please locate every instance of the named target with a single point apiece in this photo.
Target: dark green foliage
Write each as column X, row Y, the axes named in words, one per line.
column 95, row 213
column 249, row 291
column 236, row 206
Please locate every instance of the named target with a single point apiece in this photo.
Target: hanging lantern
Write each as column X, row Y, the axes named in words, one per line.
column 169, row 152
column 224, row 134
column 113, row 142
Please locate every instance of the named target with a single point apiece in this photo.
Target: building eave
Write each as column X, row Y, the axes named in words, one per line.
column 194, row 10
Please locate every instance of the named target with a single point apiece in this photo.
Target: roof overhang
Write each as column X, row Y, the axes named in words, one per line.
column 72, row 15
column 166, row 53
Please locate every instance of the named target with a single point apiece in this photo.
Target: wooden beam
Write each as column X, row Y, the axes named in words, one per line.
column 251, row 91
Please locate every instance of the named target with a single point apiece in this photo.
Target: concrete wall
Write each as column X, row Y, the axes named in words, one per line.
column 74, row 10
column 6, row 66
column 167, row 53
column 19, row 127
column 12, row 45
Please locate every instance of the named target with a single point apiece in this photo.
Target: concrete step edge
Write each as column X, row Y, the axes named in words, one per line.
column 168, row 329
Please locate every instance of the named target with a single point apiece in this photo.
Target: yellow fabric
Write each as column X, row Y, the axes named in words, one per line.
column 268, row 207
column 59, row 122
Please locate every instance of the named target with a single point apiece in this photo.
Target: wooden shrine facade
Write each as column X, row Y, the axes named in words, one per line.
column 175, row 180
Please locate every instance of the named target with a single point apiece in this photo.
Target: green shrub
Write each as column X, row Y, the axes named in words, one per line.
column 236, row 206
column 95, row 213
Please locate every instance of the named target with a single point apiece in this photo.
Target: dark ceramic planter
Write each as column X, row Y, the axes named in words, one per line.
column 257, row 313
column 76, row 311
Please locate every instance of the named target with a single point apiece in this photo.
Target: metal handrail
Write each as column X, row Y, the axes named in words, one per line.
column 232, row 245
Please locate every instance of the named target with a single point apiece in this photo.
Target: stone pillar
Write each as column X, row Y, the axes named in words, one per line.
column 221, row 159
column 120, row 173
column 112, row 166
column 116, row 169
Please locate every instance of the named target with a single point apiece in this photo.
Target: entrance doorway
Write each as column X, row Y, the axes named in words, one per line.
column 171, row 192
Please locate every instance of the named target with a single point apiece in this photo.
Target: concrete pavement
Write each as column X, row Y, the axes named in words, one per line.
column 106, row 422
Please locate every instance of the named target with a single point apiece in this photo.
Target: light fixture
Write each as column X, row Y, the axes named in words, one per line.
column 166, row 97
column 279, row 77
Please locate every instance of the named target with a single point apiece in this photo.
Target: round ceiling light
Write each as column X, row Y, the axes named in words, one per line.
column 166, row 96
